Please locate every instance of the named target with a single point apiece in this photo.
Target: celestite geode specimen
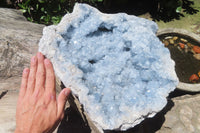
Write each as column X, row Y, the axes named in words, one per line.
column 114, row 64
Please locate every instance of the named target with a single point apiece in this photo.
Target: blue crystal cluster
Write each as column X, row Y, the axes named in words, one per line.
column 114, row 63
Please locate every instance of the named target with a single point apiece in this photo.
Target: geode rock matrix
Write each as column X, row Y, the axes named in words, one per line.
column 114, row 64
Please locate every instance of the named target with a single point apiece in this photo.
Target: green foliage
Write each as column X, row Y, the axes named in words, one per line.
column 179, row 6
column 44, row 11
column 49, row 11
column 171, row 6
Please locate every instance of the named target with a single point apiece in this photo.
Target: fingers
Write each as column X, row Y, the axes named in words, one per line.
column 61, row 101
column 32, row 74
column 50, row 77
column 24, row 82
column 40, row 75
column 41, row 71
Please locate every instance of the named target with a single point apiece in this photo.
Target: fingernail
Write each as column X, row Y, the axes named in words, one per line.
column 33, row 59
column 46, row 61
column 25, row 70
column 39, row 55
column 67, row 92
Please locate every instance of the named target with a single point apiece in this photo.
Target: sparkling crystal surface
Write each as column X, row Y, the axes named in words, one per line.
column 114, row 64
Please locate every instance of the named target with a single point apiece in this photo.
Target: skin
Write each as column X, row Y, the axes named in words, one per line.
column 38, row 110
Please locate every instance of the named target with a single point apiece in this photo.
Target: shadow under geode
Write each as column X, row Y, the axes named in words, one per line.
column 74, row 123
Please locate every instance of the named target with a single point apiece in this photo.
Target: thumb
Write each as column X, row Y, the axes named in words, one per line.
column 62, row 97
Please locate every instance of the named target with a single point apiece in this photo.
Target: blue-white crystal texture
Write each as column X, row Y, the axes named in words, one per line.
column 114, row 63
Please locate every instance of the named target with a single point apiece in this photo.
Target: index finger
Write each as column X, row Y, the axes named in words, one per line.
column 24, row 82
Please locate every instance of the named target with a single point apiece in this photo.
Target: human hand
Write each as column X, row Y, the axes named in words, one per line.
column 38, row 110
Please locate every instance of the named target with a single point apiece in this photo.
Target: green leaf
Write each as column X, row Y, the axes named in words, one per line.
column 42, row 9
column 100, row 0
column 21, row 6
column 23, row 10
column 178, row 9
column 41, row 1
column 42, row 17
column 27, row 2
column 56, row 19
column 29, row 10
column 45, row 18
column 30, row 19
column 37, row 6
column 59, row 7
